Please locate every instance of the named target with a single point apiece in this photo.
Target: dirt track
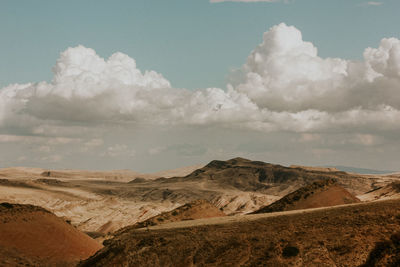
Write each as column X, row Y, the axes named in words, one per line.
column 335, row 236
column 243, row 218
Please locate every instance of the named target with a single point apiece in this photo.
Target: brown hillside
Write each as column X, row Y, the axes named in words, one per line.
column 323, row 193
column 197, row 209
column 32, row 235
column 385, row 254
column 335, row 236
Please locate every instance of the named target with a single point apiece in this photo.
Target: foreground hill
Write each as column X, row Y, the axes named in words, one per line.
column 30, row 235
column 323, row 193
column 335, row 236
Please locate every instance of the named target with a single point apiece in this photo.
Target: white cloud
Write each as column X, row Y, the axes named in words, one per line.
column 286, row 79
column 284, row 86
column 374, row 3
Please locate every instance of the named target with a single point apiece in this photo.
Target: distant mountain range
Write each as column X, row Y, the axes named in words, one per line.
column 360, row 170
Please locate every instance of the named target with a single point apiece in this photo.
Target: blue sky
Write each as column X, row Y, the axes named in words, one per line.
column 285, row 104
column 194, row 44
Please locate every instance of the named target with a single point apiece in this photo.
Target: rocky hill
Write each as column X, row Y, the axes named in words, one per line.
column 256, row 176
column 323, row 193
column 197, row 209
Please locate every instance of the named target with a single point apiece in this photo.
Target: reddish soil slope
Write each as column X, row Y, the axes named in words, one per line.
column 32, row 235
column 323, row 193
column 197, row 209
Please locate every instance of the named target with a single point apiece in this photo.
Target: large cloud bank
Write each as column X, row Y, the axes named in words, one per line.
column 285, row 103
column 285, row 75
column 284, row 85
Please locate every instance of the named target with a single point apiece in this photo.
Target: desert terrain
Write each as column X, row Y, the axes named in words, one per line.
column 210, row 205
column 92, row 200
column 336, row 236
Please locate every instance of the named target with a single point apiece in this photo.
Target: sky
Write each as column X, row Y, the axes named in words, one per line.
column 151, row 85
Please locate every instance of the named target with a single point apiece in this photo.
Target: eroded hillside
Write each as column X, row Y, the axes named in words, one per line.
column 322, row 193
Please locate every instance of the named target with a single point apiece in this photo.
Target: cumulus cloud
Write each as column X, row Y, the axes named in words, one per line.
column 89, row 89
column 284, row 86
column 284, row 76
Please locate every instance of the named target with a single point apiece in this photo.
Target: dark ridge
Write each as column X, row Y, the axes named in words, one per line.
column 162, row 179
column 7, row 182
column 46, row 174
column 10, row 207
column 395, row 186
column 239, row 160
column 137, row 180
column 218, row 164
column 290, row 201
column 247, row 175
column 6, row 205
column 50, row 181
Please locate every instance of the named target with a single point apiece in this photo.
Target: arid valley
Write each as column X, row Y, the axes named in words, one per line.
column 227, row 213
column 201, row 133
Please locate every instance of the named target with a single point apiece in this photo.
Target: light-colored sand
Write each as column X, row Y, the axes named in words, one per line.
column 86, row 210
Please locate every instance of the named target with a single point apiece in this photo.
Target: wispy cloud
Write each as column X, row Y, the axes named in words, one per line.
column 372, row 3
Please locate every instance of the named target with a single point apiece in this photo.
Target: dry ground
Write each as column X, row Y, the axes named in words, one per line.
column 31, row 235
column 336, row 236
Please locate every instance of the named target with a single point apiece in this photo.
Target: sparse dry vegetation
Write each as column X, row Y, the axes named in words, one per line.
column 342, row 236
